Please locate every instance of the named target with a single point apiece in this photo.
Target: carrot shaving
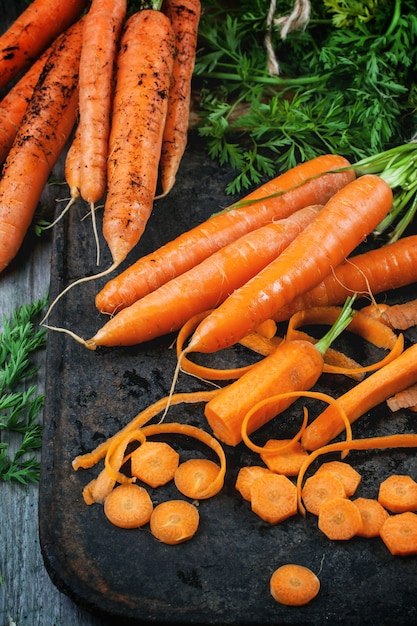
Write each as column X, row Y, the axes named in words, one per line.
column 406, row 399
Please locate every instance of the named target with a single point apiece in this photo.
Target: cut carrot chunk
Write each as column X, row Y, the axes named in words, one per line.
column 319, row 488
column 174, row 521
column 339, row 519
column 399, row 533
column 128, row 506
column 247, row 476
column 345, row 473
column 287, row 461
column 294, row 585
column 193, row 477
column 274, row 498
column 154, row 463
column 373, row 516
column 398, row 493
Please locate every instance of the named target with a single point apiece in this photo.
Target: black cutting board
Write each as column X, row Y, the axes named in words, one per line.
column 222, row 575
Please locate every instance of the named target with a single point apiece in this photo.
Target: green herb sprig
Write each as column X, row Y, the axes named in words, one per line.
column 20, row 404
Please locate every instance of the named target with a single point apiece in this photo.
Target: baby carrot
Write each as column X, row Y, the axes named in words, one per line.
column 343, row 223
column 42, row 135
column 339, row 519
column 373, row 516
column 32, row 32
column 313, row 182
column 154, row 463
column 184, row 16
column 398, row 493
column 246, row 477
column 294, row 585
column 194, row 476
column 396, row 375
column 273, row 498
column 319, row 488
column 174, row 521
column 128, row 506
column 399, row 534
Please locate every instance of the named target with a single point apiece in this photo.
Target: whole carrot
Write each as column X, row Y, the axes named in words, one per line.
column 185, row 17
column 203, row 287
column 42, row 135
column 33, row 31
column 313, row 182
column 144, row 70
column 343, row 223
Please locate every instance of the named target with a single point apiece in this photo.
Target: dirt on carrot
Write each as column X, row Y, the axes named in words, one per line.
column 128, row 506
column 339, row 519
column 154, row 463
column 174, row 521
column 294, row 585
column 273, row 498
column 398, row 493
column 193, row 477
column 399, row 534
column 373, row 516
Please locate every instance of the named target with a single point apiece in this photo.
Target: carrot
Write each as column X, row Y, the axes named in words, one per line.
column 184, row 16
column 319, row 488
column 246, row 477
column 339, row 228
column 286, row 461
column 398, row 316
column 347, row 475
column 273, row 498
column 313, row 182
column 192, row 477
column 373, row 516
column 294, row 585
column 339, row 519
column 202, row 287
column 42, row 135
column 174, row 521
column 385, row 268
column 399, row 534
column 128, row 506
column 396, row 375
column 32, row 32
column 154, row 463
column 293, row 366
column 398, row 493
column 406, row 399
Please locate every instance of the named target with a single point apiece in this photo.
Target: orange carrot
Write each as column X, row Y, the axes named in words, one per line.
column 32, row 32
column 246, row 477
column 286, row 461
column 192, row 477
column 406, row 399
column 339, row 519
column 42, row 135
column 319, row 488
column 343, row 223
column 398, row 316
column 398, row 493
column 306, row 184
column 154, row 463
column 184, row 16
column 273, row 498
column 399, row 534
column 202, row 287
column 396, row 375
column 373, row 516
column 347, row 474
column 128, row 506
column 174, row 521
column 294, row 585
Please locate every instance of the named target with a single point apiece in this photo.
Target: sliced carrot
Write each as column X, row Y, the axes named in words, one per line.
column 154, row 463
column 320, row 488
column 174, row 521
column 398, row 493
column 339, row 519
column 287, row 461
column 345, row 473
column 192, row 477
column 373, row 516
column 399, row 534
column 294, row 585
column 246, row 477
column 273, row 498
column 128, row 506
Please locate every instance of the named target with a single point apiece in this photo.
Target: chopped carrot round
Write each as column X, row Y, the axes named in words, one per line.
column 398, row 493
column 154, row 463
column 399, row 533
column 273, row 498
column 174, row 521
column 339, row 519
column 128, row 506
column 246, row 477
column 373, row 516
column 319, row 488
column 193, row 477
column 294, row 585
column 286, row 461
column 345, row 473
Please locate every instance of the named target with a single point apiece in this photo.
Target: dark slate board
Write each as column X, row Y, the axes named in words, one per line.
column 222, row 575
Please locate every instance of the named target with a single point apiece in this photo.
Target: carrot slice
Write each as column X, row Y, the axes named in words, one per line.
column 154, row 463
column 273, row 498
column 174, row 521
column 320, row 488
column 373, row 516
column 286, row 461
column 345, row 473
column 339, row 519
column 194, row 476
column 398, row 493
column 128, row 506
column 294, row 585
column 247, row 476
column 399, row 533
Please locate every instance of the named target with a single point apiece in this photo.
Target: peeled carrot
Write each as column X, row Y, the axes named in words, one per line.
column 273, row 498
column 373, row 516
column 398, row 493
column 343, row 223
column 42, row 135
column 313, row 182
column 184, row 16
column 396, row 375
column 347, row 474
column 399, row 534
column 202, row 287
column 32, row 32
column 174, row 521
column 398, row 316
column 128, row 506
column 320, row 488
column 294, row 585
column 246, row 477
column 194, row 476
column 339, row 519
